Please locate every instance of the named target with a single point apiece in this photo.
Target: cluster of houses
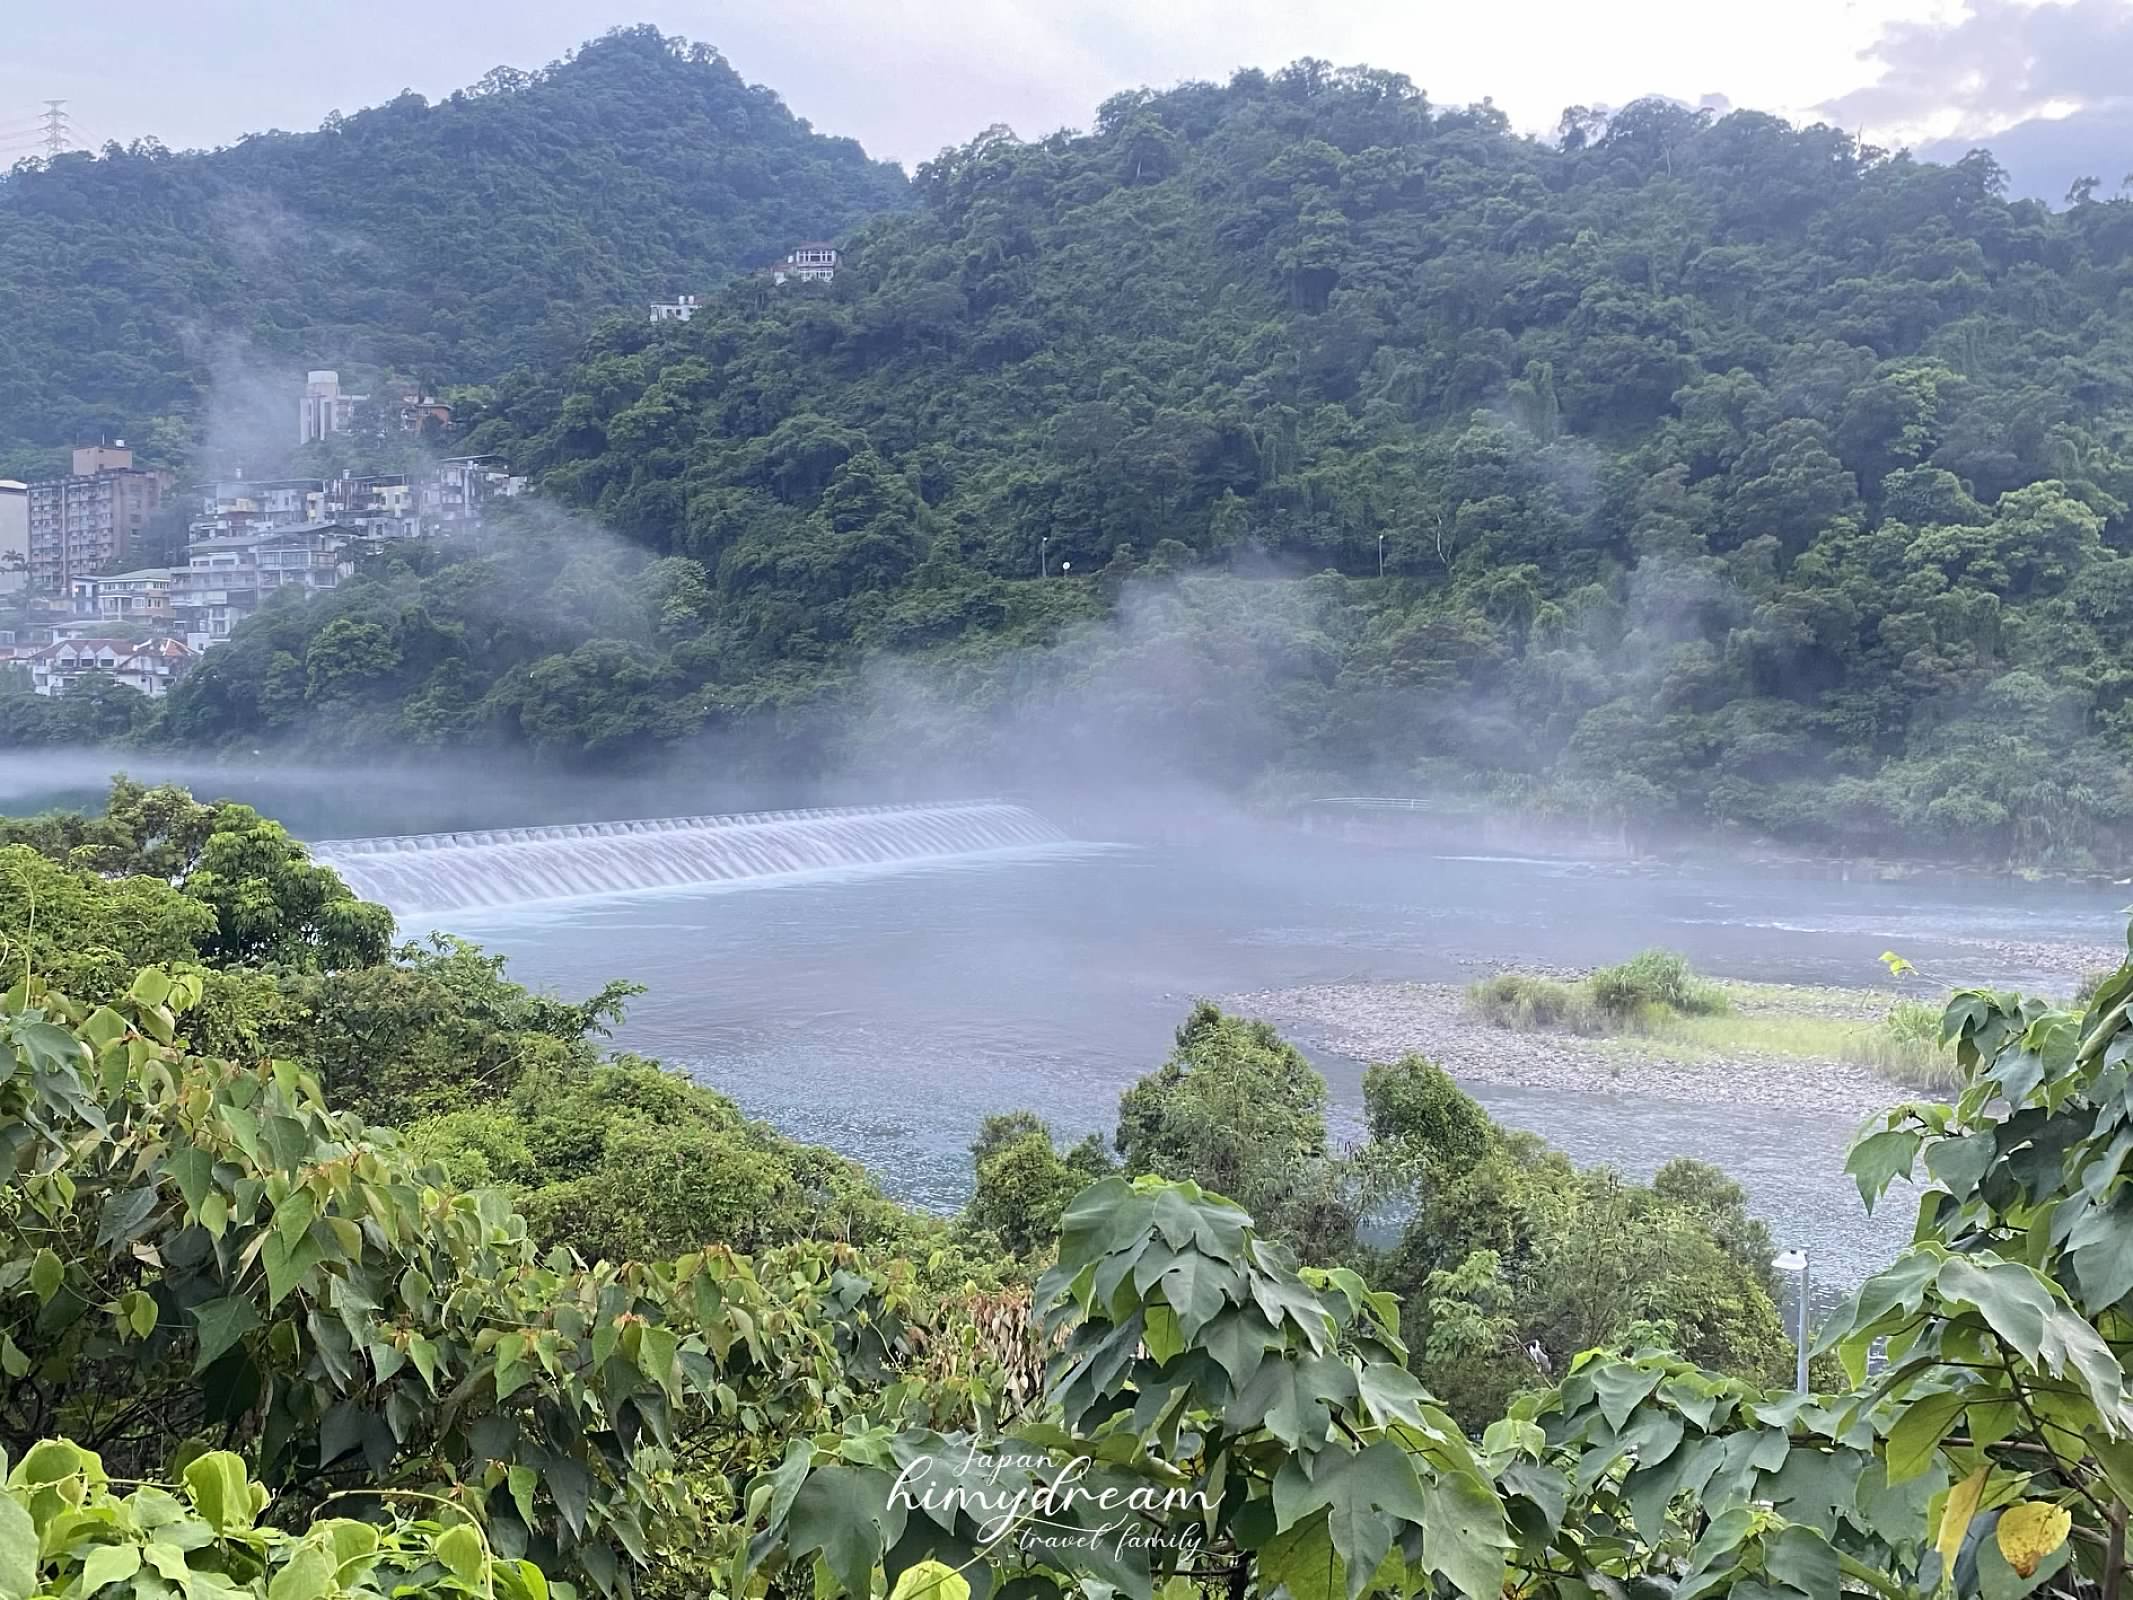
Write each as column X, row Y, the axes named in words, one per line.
column 65, row 615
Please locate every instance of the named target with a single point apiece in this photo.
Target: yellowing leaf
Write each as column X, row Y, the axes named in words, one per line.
column 2031, row 1531
column 930, row 1580
column 1955, row 1518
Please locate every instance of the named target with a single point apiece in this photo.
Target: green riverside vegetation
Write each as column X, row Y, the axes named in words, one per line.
column 1654, row 1000
column 580, row 1329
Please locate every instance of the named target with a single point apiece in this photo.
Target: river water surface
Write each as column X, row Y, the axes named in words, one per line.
column 886, row 1014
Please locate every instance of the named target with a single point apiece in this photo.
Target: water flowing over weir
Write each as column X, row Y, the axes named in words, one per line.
column 424, row 873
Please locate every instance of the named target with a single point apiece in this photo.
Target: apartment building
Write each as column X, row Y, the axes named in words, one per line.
column 228, row 578
column 128, row 598
column 81, row 524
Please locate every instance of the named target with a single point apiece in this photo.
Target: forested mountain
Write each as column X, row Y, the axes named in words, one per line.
column 443, row 241
column 1721, row 472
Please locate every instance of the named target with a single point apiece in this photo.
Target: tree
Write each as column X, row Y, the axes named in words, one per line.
column 1236, row 1107
column 1237, row 1419
column 1023, row 1182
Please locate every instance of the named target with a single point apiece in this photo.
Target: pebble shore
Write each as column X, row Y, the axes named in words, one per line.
column 1384, row 1021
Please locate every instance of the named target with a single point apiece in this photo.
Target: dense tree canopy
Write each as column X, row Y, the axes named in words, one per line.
column 323, row 1359
column 436, row 242
column 1721, row 471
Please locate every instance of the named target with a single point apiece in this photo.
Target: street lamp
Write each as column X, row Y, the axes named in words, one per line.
column 1796, row 1261
column 1381, row 555
column 1044, row 556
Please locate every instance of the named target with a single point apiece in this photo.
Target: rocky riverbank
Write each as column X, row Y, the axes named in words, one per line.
column 1383, row 1021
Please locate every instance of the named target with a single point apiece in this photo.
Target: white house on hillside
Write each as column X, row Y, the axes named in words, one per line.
column 812, row 262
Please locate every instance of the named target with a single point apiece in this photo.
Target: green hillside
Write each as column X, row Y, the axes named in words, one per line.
column 1723, row 473
column 443, row 241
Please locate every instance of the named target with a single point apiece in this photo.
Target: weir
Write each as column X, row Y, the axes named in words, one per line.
column 424, row 873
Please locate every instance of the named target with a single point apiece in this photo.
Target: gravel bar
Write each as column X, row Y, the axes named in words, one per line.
column 1384, row 1021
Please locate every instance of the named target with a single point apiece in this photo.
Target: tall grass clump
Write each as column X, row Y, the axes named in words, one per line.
column 1514, row 1000
column 1905, row 1045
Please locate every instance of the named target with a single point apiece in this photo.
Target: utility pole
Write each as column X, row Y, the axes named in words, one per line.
column 1796, row 1261
column 55, row 128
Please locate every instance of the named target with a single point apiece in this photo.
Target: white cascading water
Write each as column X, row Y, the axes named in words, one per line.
column 423, row 873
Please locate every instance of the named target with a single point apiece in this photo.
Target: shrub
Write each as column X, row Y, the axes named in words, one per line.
column 1905, row 1045
column 1655, row 978
column 2091, row 981
column 1414, row 1102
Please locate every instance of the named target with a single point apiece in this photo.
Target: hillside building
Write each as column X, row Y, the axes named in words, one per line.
column 228, row 578
column 81, row 524
column 679, row 309
column 325, row 411
column 452, row 498
column 126, row 598
column 14, row 536
column 147, row 664
column 812, row 262
column 422, row 413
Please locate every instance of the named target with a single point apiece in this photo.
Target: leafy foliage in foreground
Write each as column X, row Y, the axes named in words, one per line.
column 1494, row 1241
column 200, row 1253
column 1224, row 1415
column 201, row 1249
column 67, row 1530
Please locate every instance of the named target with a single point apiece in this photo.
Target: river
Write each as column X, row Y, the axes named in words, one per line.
column 885, row 1012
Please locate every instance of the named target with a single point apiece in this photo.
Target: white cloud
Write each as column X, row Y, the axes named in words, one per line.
column 1998, row 63
column 909, row 76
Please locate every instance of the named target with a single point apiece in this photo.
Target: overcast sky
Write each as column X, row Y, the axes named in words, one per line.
column 906, row 77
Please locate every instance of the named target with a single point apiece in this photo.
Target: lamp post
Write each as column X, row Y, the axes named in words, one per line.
column 1796, row 1261
column 1381, row 555
column 1044, row 556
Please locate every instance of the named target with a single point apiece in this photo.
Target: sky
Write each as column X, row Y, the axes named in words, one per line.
column 907, row 77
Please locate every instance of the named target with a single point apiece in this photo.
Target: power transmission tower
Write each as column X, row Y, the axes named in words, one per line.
column 55, row 128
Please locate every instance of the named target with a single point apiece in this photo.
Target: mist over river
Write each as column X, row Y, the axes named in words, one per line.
column 885, row 1011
